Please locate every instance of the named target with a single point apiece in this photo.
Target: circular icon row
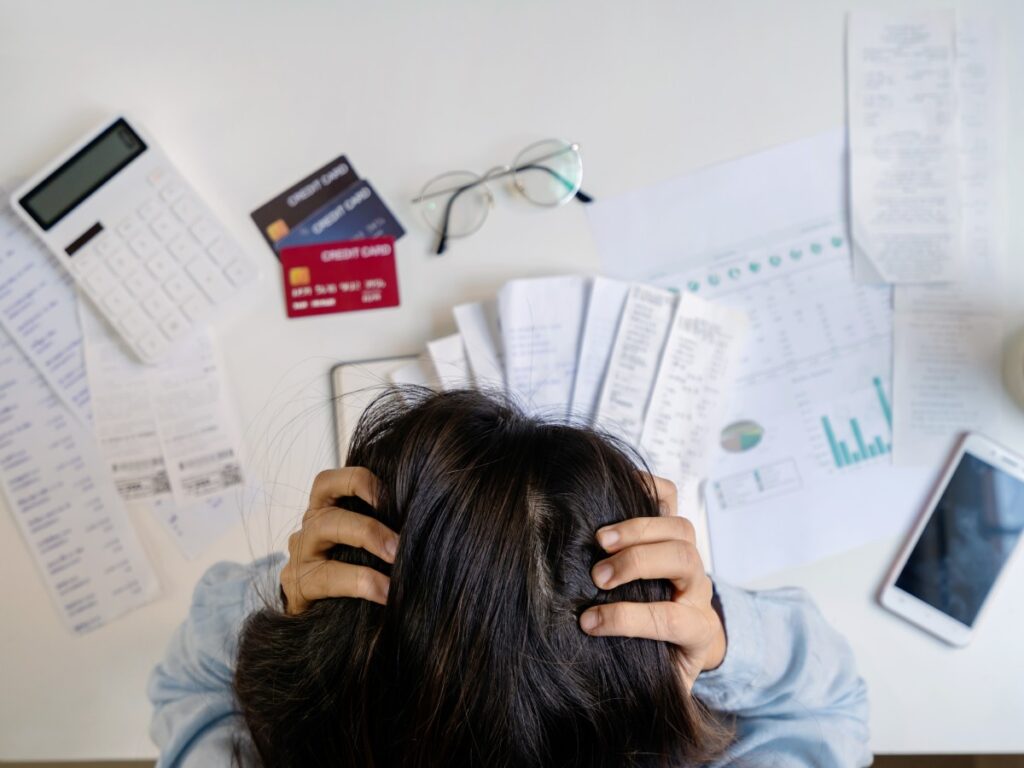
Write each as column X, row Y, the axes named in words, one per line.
column 754, row 267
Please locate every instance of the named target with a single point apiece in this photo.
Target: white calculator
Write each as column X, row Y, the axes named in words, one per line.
column 136, row 237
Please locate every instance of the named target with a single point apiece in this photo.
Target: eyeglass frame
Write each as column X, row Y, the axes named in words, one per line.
column 497, row 172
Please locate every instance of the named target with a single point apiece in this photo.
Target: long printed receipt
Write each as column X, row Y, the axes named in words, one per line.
column 949, row 338
column 166, row 429
column 903, row 147
column 59, row 490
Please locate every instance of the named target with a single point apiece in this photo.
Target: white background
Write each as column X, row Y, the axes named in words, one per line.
column 248, row 97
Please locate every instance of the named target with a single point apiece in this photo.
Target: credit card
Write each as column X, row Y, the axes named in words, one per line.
column 356, row 214
column 339, row 276
column 278, row 217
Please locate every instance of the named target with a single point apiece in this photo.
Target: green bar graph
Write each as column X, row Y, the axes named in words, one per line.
column 883, row 401
column 845, row 454
column 833, row 444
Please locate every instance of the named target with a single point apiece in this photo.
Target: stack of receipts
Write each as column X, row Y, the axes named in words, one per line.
column 928, row 155
column 646, row 364
column 85, row 429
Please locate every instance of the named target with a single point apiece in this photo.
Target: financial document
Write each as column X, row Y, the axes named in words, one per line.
column 604, row 309
column 949, row 338
column 541, row 324
column 481, row 333
column 633, row 365
column 902, row 116
column 65, row 503
column 695, row 376
column 801, row 464
column 38, row 311
column 448, row 354
column 165, row 429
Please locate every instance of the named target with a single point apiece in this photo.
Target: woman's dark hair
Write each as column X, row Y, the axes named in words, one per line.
column 478, row 658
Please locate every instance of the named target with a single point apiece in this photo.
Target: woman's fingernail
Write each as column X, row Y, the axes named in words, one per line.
column 391, row 546
column 608, row 538
column 589, row 620
column 603, row 574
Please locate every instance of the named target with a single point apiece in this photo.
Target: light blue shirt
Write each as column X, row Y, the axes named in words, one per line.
column 788, row 678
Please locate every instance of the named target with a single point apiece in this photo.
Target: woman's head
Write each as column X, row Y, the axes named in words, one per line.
column 478, row 657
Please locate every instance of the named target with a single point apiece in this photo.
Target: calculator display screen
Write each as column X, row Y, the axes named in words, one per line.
column 83, row 174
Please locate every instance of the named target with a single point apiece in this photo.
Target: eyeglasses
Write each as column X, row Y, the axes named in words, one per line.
column 547, row 173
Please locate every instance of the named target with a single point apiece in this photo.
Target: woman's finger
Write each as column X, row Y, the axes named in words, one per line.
column 333, row 484
column 679, row 623
column 324, row 528
column 331, row 578
column 645, row 530
column 675, row 560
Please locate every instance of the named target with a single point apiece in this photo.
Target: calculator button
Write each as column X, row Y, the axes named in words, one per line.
column 132, row 323
column 152, row 345
column 205, row 231
column 164, row 227
column 121, row 262
column 239, row 272
column 139, row 284
column 187, row 210
column 144, row 245
column 83, row 262
column 171, row 191
column 223, row 251
column 105, row 245
column 117, row 302
column 180, row 288
column 157, row 176
column 149, row 209
column 99, row 281
column 157, row 305
column 129, row 227
column 210, row 280
column 183, row 248
column 195, row 308
column 162, row 267
column 174, row 325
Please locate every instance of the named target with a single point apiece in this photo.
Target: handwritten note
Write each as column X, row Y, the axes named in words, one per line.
column 541, row 323
column 903, row 145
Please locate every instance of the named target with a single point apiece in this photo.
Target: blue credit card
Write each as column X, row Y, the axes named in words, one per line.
column 358, row 213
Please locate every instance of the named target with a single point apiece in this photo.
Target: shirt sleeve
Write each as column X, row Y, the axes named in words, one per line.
column 195, row 718
column 790, row 682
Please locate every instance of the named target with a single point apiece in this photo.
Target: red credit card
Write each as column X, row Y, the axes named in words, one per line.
column 340, row 276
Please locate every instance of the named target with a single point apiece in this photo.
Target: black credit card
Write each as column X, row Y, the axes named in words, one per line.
column 276, row 218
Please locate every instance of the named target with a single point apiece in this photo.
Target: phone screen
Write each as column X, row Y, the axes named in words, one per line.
column 967, row 541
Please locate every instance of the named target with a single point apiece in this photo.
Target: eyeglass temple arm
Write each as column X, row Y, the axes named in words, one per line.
column 580, row 195
column 442, row 243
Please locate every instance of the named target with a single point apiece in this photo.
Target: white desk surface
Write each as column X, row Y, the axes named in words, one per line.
column 250, row 96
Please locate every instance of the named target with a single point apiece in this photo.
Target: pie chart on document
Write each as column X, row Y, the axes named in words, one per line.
column 741, row 436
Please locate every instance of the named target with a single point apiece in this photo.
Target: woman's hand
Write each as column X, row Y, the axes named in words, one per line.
column 659, row 548
column 309, row 575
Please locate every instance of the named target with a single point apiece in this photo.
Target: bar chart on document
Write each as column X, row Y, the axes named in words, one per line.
column 812, row 396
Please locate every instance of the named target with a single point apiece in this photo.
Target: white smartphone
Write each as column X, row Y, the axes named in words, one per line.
column 953, row 559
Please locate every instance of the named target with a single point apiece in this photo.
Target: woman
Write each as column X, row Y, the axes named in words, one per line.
column 483, row 588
